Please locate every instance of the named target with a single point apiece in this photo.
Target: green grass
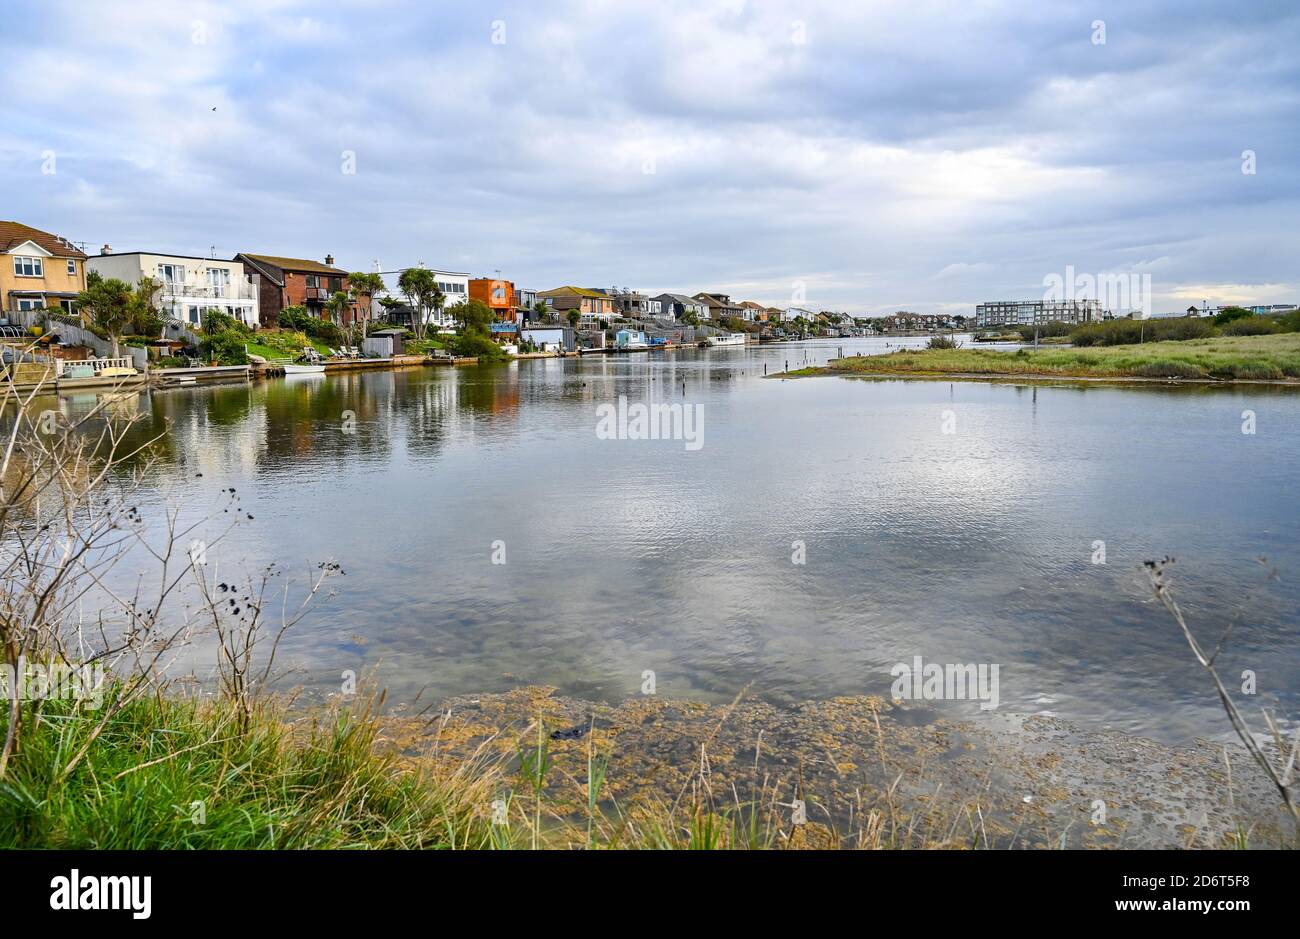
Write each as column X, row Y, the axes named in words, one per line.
column 276, row 785
column 1271, row 358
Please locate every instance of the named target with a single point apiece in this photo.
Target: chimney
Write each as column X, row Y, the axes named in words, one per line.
column 107, row 249
column 329, row 260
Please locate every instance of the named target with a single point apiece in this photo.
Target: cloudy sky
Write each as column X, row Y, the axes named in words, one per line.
column 874, row 155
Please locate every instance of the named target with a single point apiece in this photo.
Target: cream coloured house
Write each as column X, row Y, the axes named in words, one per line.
column 189, row 286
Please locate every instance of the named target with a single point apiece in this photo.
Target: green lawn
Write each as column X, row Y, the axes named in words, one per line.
column 1270, row 358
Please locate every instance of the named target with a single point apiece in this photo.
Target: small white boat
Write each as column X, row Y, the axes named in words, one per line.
column 292, row 369
column 731, row 339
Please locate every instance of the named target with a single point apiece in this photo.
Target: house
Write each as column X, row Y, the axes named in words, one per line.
column 498, row 295
column 631, row 339
column 676, row 306
column 630, row 304
column 591, row 304
column 523, row 302
column 753, row 312
column 719, row 306
column 283, row 282
column 41, row 270
column 796, row 312
column 189, row 286
column 392, row 306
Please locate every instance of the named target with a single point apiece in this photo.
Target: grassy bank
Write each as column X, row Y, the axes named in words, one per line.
column 1227, row 358
column 175, row 773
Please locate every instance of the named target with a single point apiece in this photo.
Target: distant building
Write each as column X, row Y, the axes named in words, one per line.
column 720, row 306
column 498, row 295
column 1028, row 312
column 677, row 305
column 591, row 305
column 190, row 287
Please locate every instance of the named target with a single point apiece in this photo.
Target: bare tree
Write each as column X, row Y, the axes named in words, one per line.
column 70, row 520
column 1280, row 766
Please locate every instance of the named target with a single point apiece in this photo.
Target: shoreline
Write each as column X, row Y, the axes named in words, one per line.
column 1034, row 781
column 826, row 371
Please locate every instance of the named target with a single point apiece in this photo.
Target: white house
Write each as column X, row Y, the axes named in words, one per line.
column 190, row 286
column 453, row 284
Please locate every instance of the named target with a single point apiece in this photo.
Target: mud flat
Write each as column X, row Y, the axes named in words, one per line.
column 870, row 773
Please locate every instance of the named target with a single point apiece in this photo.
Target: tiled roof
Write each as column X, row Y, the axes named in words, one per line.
column 15, row 233
column 296, row 264
column 571, row 291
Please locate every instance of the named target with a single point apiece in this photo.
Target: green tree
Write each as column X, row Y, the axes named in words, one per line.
column 337, row 306
column 108, row 303
column 363, row 288
column 574, row 317
column 420, row 288
column 474, row 316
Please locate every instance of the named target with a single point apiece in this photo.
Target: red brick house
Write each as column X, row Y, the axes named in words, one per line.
column 286, row 282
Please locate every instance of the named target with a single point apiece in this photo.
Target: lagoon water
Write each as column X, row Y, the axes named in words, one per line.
column 623, row 556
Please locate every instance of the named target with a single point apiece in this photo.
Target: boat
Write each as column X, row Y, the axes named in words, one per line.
column 731, row 339
column 292, row 369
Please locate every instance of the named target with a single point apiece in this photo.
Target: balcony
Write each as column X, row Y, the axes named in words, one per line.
column 194, row 292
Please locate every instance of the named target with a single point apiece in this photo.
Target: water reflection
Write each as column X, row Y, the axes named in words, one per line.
column 630, row 555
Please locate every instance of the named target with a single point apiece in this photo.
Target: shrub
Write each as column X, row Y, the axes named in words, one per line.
column 227, row 347
column 474, row 344
column 1230, row 313
column 214, row 322
column 942, row 342
column 1250, row 326
column 1169, row 368
column 1045, row 330
column 1128, row 332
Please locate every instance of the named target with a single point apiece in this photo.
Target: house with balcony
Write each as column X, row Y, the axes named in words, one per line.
column 676, row 306
column 189, row 287
column 39, row 270
column 592, row 305
column 282, row 282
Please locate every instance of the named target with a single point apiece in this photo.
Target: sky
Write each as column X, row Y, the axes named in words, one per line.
column 858, row 156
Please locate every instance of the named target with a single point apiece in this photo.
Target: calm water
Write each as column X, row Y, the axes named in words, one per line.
column 626, row 555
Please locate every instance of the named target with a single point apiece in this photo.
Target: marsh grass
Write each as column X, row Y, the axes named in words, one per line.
column 1259, row 358
column 184, row 773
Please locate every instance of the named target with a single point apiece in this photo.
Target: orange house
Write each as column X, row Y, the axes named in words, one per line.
column 497, row 294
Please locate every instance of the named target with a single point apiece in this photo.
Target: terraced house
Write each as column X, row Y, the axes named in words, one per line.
column 283, row 282
column 40, row 270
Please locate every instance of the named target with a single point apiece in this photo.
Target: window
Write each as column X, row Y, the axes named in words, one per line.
column 30, row 303
column 218, row 280
column 194, row 314
column 172, row 274
column 29, row 267
column 72, row 268
column 67, row 306
column 336, row 283
column 313, row 280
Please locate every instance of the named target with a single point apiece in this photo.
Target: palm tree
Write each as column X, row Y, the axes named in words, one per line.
column 338, row 305
column 420, row 288
column 363, row 288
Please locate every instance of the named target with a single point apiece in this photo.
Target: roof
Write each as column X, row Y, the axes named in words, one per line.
column 294, row 264
column 680, row 298
column 571, row 291
column 750, row 304
column 15, row 233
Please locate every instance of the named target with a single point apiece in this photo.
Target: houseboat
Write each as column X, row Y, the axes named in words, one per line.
column 731, row 339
